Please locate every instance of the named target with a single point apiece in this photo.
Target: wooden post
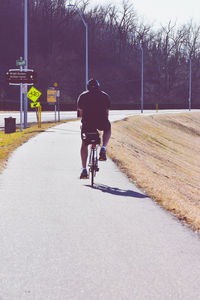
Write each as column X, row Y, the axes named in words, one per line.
column 156, row 107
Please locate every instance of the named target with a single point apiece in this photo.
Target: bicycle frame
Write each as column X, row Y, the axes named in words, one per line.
column 93, row 162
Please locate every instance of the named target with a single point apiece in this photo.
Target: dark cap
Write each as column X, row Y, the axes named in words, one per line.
column 92, row 84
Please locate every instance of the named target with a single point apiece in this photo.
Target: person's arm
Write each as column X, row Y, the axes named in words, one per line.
column 79, row 107
column 108, row 106
column 80, row 112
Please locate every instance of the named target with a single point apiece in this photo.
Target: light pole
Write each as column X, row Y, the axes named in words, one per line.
column 142, row 76
column 190, row 81
column 188, row 59
column 86, row 42
column 26, row 60
column 142, row 72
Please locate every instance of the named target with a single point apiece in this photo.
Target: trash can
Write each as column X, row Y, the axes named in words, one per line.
column 10, row 125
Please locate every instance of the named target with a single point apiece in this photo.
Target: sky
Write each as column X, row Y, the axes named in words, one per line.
column 161, row 12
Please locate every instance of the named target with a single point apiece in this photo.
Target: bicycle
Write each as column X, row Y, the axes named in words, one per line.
column 92, row 138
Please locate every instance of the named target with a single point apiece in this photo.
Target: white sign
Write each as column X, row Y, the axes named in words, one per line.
column 57, row 93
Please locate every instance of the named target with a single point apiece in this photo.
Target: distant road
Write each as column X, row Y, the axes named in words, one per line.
column 46, row 116
column 66, row 115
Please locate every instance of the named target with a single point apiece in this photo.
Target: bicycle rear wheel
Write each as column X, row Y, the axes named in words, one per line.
column 93, row 168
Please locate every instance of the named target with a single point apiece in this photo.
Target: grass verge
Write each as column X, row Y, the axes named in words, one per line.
column 10, row 142
column 160, row 153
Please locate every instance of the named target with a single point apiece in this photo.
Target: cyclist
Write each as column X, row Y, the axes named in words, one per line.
column 93, row 107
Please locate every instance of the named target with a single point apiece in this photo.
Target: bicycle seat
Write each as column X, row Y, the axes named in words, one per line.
column 91, row 137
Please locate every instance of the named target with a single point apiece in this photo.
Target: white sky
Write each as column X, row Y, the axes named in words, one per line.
column 162, row 11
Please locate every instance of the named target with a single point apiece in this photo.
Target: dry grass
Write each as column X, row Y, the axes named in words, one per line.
column 160, row 153
column 9, row 142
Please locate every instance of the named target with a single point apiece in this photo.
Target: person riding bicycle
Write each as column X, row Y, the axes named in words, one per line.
column 93, row 106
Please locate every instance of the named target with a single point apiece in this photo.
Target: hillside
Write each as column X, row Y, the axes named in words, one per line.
column 57, row 53
column 160, row 153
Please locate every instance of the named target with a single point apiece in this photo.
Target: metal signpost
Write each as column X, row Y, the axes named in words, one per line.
column 21, row 103
column 26, row 59
column 20, row 77
column 55, row 113
column 58, row 100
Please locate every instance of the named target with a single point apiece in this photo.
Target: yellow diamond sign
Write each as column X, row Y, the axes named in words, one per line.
column 34, row 94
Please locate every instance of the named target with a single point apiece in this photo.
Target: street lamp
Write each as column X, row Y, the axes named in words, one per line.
column 190, row 81
column 26, row 60
column 142, row 76
column 188, row 60
column 142, row 72
column 86, row 42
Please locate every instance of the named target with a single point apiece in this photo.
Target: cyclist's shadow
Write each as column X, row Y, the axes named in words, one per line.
column 117, row 191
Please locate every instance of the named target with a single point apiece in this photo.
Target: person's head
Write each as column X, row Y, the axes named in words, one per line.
column 93, row 84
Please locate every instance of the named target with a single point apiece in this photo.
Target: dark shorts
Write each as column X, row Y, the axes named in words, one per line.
column 102, row 126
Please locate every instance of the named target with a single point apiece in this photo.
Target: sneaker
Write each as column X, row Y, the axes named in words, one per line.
column 84, row 174
column 102, row 154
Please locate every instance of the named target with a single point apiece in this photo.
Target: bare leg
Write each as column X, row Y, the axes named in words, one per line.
column 106, row 137
column 84, row 154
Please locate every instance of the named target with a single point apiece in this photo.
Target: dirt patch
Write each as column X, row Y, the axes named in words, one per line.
column 160, row 153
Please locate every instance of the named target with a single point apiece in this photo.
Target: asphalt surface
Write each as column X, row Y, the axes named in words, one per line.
column 62, row 239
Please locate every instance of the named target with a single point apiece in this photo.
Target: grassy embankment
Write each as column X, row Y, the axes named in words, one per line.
column 160, row 153
column 9, row 142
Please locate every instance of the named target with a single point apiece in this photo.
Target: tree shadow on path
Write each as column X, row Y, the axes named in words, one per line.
column 117, row 191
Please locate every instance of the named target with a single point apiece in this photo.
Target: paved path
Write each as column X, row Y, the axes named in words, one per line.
column 63, row 240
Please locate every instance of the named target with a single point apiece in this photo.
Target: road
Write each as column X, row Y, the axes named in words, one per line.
column 46, row 116
column 63, row 240
column 66, row 115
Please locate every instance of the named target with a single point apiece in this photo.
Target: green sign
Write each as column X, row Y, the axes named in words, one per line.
column 20, row 63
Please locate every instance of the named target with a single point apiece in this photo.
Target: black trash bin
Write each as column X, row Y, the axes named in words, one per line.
column 10, row 125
